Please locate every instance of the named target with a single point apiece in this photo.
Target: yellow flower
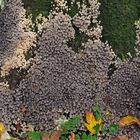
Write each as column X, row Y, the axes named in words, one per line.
column 92, row 122
column 2, row 128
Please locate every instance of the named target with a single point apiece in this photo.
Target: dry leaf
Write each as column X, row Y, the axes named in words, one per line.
column 18, row 126
column 24, row 109
column 106, row 99
column 123, row 137
column 45, row 136
column 55, row 135
column 5, row 136
column 115, row 138
column 128, row 120
column 72, row 136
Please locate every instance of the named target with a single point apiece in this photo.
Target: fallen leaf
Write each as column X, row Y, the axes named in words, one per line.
column 106, row 99
column 45, row 136
column 123, row 137
column 55, row 135
column 92, row 123
column 2, row 128
column 35, row 87
column 128, row 120
column 18, row 126
column 115, row 138
column 24, row 109
column 72, row 136
column 90, row 118
column 5, row 136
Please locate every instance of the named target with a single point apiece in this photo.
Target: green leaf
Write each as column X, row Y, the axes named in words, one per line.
column 84, row 136
column 77, row 137
column 34, row 135
column 97, row 115
column 97, row 128
column 70, row 125
column 113, row 129
column 94, row 137
column 90, row 137
column 97, row 111
column 104, row 131
column 63, row 137
column 97, row 108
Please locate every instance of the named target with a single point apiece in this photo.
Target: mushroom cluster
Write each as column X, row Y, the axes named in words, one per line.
column 62, row 82
column 16, row 37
